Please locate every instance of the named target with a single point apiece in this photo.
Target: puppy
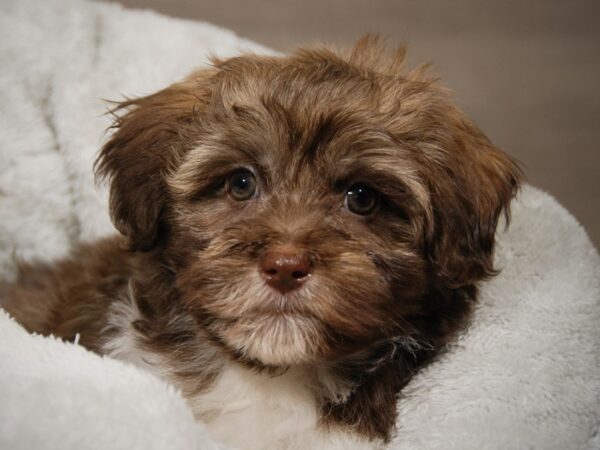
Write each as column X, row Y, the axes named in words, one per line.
column 298, row 236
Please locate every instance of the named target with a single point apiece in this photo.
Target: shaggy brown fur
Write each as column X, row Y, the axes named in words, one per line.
column 387, row 289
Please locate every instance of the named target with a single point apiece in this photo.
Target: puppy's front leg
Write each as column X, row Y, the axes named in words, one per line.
column 72, row 296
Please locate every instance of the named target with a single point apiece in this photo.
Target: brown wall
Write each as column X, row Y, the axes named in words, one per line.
column 527, row 71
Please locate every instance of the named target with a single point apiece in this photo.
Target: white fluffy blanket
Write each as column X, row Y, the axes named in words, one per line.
column 525, row 375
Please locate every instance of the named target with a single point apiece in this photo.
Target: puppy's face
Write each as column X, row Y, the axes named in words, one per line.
column 312, row 207
column 307, row 229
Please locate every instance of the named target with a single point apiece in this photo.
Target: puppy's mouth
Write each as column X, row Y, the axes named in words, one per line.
column 280, row 307
column 291, row 304
column 276, row 335
column 265, row 324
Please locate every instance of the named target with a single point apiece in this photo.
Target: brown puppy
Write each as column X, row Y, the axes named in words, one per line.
column 299, row 235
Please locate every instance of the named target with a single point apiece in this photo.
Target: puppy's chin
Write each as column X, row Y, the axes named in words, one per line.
column 276, row 339
column 259, row 323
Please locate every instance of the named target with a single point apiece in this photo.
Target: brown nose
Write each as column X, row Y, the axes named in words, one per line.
column 285, row 268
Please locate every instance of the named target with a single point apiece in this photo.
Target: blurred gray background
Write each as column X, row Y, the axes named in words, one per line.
column 528, row 72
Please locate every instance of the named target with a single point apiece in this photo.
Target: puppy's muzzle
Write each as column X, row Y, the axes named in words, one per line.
column 285, row 268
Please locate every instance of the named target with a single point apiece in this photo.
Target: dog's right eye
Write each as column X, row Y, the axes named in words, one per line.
column 241, row 185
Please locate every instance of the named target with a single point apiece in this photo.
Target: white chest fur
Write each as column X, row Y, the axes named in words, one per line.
column 251, row 410
column 242, row 408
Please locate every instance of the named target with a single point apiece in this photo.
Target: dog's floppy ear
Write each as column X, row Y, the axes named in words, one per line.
column 482, row 181
column 150, row 137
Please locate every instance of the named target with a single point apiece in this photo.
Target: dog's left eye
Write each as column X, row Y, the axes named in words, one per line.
column 361, row 199
column 241, row 185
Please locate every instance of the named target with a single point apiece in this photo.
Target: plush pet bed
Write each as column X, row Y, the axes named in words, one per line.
column 525, row 375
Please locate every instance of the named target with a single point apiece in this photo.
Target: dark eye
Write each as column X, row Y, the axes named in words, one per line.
column 241, row 185
column 361, row 199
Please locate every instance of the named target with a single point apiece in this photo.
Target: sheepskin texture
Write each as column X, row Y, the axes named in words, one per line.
column 526, row 374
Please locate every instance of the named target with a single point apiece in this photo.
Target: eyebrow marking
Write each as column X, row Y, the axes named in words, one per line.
column 383, row 165
column 203, row 165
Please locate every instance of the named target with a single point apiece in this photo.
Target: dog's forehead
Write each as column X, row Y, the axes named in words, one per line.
column 299, row 119
column 299, row 145
column 294, row 106
column 304, row 124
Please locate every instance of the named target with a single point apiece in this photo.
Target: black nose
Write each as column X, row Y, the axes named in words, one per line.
column 285, row 268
